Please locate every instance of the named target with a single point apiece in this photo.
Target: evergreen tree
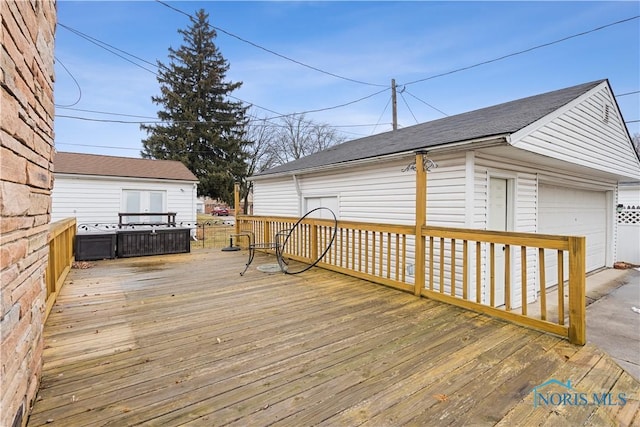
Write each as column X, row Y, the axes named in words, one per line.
column 202, row 128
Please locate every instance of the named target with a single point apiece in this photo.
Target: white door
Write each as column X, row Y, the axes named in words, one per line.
column 143, row 201
column 498, row 221
column 577, row 212
column 330, row 202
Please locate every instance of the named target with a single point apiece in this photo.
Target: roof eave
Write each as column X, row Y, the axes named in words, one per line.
column 120, row 177
column 483, row 142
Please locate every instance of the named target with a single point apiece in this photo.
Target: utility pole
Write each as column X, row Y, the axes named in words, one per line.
column 394, row 105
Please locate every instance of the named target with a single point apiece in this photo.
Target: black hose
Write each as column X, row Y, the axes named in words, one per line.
column 284, row 244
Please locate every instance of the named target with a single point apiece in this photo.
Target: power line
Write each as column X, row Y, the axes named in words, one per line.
column 90, row 119
column 408, row 108
column 381, row 115
column 108, row 113
column 278, row 115
column 74, row 80
column 139, row 122
column 628, row 93
column 253, row 120
column 103, row 45
column 95, row 146
column 523, row 51
column 113, row 49
column 271, row 51
column 336, row 106
column 426, row 103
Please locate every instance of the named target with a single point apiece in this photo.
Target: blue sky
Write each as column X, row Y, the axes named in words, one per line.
column 371, row 42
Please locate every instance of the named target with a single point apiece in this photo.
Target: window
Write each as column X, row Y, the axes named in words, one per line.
column 141, row 201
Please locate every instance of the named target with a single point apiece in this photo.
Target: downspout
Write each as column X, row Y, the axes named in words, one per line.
column 298, row 192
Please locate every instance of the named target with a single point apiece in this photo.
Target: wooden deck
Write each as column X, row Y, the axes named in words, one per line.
column 184, row 340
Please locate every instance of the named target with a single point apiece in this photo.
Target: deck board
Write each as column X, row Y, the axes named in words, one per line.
column 184, row 340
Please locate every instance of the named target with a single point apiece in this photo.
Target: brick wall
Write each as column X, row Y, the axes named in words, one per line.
column 26, row 152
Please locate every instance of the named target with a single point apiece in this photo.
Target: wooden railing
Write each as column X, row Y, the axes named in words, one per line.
column 453, row 265
column 61, row 237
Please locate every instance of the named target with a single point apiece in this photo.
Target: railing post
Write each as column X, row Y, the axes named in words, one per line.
column 236, row 206
column 313, row 240
column 266, row 232
column 421, row 220
column 577, row 293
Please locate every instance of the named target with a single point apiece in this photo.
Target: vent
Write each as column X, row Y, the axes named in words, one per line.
column 605, row 112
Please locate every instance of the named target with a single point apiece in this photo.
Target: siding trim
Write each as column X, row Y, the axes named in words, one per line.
column 576, row 134
column 469, row 187
column 517, row 136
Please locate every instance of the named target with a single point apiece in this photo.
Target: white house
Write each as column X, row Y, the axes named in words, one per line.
column 549, row 163
column 95, row 189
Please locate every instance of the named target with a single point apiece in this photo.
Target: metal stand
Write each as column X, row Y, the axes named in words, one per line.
column 230, row 248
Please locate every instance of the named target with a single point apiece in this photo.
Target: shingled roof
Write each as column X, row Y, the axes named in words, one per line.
column 502, row 119
column 93, row 164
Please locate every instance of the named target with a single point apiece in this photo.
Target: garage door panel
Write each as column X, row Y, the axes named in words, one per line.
column 574, row 212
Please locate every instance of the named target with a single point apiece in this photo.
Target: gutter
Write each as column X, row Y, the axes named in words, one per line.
column 122, row 178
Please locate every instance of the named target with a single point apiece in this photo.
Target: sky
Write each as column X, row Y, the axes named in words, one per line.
column 444, row 57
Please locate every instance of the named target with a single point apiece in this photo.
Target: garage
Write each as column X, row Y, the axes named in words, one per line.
column 577, row 212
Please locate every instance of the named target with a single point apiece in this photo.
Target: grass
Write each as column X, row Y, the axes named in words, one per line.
column 212, row 232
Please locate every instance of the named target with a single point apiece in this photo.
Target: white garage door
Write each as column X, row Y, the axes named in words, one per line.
column 569, row 211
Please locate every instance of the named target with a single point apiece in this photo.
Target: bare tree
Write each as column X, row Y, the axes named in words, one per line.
column 635, row 139
column 298, row 137
column 273, row 144
column 260, row 133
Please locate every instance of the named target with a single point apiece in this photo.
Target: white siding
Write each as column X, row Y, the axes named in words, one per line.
column 99, row 200
column 276, row 197
column 579, row 134
column 380, row 193
column 526, row 202
column 373, row 193
column 377, row 193
column 446, row 192
column 629, row 195
column 383, row 193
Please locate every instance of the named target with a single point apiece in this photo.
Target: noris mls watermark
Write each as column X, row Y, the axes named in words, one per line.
column 557, row 393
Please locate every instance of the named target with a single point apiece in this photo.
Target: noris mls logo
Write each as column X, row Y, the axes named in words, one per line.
column 557, row 393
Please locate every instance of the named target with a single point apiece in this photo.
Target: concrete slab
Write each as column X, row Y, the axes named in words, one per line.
column 613, row 325
column 597, row 286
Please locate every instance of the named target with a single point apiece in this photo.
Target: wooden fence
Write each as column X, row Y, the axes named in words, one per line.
column 465, row 267
column 61, row 237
